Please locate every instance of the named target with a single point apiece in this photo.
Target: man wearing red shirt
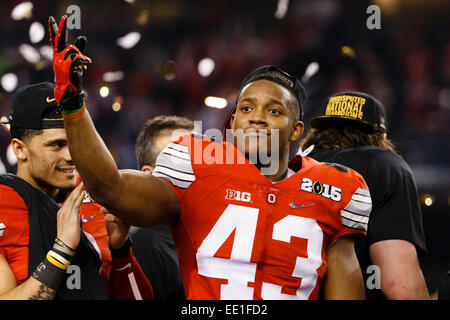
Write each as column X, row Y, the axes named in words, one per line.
column 44, row 253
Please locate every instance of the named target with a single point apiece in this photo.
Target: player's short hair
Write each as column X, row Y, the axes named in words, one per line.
column 345, row 136
column 150, row 130
column 25, row 134
column 286, row 83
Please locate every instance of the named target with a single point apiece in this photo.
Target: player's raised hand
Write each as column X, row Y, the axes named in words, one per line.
column 68, row 220
column 69, row 61
column 117, row 229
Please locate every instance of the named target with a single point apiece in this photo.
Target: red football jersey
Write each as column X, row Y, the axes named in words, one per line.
column 240, row 236
column 14, row 232
column 123, row 274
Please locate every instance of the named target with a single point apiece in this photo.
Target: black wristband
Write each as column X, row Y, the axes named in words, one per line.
column 64, row 250
column 48, row 274
column 122, row 252
column 73, row 102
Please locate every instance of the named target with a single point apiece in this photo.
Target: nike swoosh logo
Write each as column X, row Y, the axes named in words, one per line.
column 50, row 100
column 88, row 219
column 296, row 206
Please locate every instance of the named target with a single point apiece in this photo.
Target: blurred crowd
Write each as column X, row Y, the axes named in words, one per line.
column 405, row 64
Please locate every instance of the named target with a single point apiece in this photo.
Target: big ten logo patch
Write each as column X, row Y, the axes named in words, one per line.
column 238, row 195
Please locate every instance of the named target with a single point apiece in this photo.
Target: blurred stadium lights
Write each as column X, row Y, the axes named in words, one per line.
column 22, row 10
column 206, row 67
column 169, row 76
column 29, row 53
column 167, row 69
column 9, row 82
column 311, row 70
column 216, row 102
column 142, row 18
column 47, row 52
column 129, row 40
column 10, row 156
column 427, row 199
column 4, row 124
column 2, row 171
column 40, row 65
column 388, row 7
column 116, row 106
column 348, row 52
column 111, row 76
column 444, row 98
column 104, row 91
column 398, row 7
column 282, row 8
column 36, row 32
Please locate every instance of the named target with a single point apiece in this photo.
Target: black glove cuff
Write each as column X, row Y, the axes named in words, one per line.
column 122, row 252
column 73, row 102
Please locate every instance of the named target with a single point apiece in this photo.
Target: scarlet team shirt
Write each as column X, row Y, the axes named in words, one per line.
column 240, row 236
column 14, row 232
column 125, row 274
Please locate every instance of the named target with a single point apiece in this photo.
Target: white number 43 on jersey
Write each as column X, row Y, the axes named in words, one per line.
column 238, row 269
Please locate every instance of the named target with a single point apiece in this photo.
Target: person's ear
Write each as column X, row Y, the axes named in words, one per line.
column 147, row 169
column 232, row 119
column 297, row 130
column 20, row 149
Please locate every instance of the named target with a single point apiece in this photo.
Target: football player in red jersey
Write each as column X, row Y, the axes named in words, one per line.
column 44, row 254
column 120, row 270
column 239, row 234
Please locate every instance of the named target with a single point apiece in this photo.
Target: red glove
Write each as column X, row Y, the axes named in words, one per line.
column 68, row 64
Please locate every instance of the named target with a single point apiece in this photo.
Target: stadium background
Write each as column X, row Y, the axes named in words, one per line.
column 166, row 56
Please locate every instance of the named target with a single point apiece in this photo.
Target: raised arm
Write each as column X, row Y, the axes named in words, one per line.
column 134, row 196
column 138, row 198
